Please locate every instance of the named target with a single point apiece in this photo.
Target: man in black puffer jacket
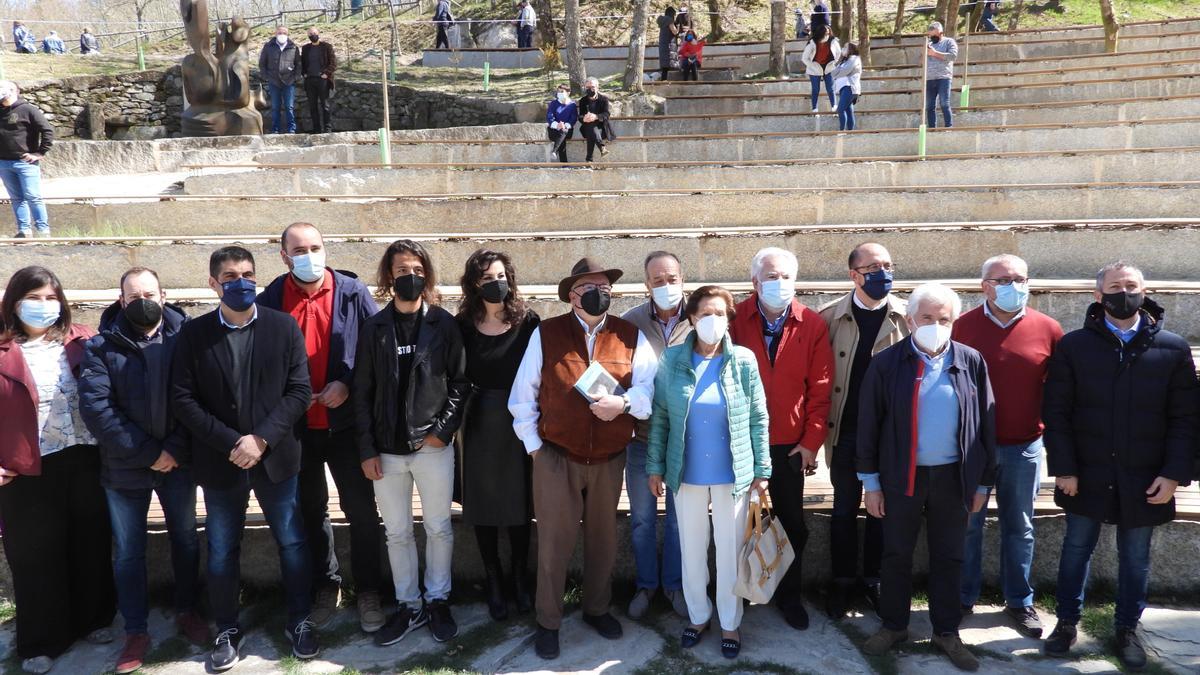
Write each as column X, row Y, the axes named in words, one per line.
column 123, row 399
column 1121, row 422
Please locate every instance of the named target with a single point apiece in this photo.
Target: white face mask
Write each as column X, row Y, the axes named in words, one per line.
column 309, row 267
column 710, row 329
column 777, row 294
column 281, row 39
column 667, row 297
column 932, row 338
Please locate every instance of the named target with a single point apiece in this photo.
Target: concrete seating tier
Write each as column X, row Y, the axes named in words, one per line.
column 1066, row 89
column 1017, row 66
column 1162, row 133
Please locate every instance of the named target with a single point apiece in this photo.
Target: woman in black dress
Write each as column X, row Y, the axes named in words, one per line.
column 496, row 491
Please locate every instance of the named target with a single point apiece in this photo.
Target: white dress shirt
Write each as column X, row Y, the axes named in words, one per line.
column 987, row 311
column 523, row 399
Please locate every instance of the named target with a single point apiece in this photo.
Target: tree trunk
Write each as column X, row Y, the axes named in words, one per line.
column 635, row 62
column 975, row 17
column 939, row 12
column 1111, row 27
column 864, row 33
column 778, row 60
column 545, row 23
column 715, row 30
column 1013, row 20
column 835, row 16
column 575, row 66
column 951, row 22
column 847, row 31
column 899, row 21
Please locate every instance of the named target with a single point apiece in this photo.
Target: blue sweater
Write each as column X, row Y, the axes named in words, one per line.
column 559, row 112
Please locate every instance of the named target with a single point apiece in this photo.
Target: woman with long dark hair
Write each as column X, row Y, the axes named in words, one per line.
column 847, row 82
column 496, row 326
column 56, row 530
column 822, row 50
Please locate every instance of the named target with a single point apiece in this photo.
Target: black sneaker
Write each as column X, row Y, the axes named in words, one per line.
column 303, row 637
column 796, row 616
column 226, row 650
column 403, row 622
column 607, row 626
column 1061, row 639
column 1129, row 649
column 441, row 623
column 838, row 600
column 545, row 643
column 1027, row 621
column 871, row 593
column 20, row 235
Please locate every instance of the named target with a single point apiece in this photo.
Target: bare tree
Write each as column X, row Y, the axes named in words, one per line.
column 939, row 12
column 576, row 68
column 778, row 58
column 715, row 30
column 1112, row 29
column 975, row 17
column 545, row 22
column 951, row 22
column 1015, row 18
column 864, row 33
column 636, row 61
column 899, row 20
column 847, row 27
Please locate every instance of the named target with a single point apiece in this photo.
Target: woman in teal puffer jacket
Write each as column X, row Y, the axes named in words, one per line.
column 709, row 444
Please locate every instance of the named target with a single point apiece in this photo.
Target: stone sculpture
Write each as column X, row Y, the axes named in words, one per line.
column 216, row 86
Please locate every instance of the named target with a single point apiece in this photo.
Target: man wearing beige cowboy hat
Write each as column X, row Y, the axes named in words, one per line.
column 578, row 440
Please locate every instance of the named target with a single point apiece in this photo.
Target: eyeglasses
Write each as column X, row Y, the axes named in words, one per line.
column 871, row 269
column 587, row 288
column 1008, row 281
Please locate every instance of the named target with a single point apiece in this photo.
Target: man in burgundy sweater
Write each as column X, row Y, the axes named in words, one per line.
column 1016, row 342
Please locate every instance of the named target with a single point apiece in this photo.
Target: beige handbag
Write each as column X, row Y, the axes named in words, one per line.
column 765, row 557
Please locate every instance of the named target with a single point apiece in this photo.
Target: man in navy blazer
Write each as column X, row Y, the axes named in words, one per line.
column 240, row 385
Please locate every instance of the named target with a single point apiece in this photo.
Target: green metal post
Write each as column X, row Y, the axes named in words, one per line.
column 921, row 141
column 385, row 147
column 964, row 99
column 392, row 66
column 141, row 56
column 487, row 75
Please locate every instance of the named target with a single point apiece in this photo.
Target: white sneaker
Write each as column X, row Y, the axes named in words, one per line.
column 814, row 111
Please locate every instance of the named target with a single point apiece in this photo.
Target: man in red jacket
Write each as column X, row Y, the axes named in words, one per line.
column 1016, row 342
column 796, row 365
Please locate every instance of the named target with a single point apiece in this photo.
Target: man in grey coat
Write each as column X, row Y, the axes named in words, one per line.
column 279, row 65
column 940, row 54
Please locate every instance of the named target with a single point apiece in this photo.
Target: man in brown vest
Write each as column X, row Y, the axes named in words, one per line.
column 578, row 443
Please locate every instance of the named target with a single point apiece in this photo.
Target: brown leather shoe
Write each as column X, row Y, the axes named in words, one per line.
column 370, row 616
column 882, row 641
column 194, row 628
column 959, row 655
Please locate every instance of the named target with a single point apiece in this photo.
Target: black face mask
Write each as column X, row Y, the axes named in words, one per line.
column 494, row 291
column 409, row 287
column 595, row 302
column 1123, row 304
column 314, row 38
column 143, row 313
column 934, row 39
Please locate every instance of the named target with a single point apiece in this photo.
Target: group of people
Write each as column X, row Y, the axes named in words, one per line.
column 922, row 412
column 678, row 46
column 283, row 64
column 25, row 42
column 591, row 112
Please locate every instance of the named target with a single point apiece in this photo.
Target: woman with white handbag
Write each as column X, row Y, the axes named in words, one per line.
column 708, row 443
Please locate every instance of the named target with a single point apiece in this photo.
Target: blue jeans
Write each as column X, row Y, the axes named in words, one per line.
column 23, row 182
column 127, row 511
column 845, row 109
column 988, row 24
column 643, row 526
column 1133, row 576
column 227, row 519
column 1018, row 472
column 283, row 99
column 938, row 92
column 816, row 88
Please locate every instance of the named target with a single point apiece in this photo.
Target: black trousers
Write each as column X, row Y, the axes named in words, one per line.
column 59, row 548
column 938, row 496
column 787, row 497
column 317, row 91
column 556, row 137
column 843, row 523
column 591, row 133
column 691, row 69
column 357, row 496
column 443, row 42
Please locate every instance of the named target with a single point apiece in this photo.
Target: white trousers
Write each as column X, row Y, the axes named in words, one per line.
column 432, row 471
column 728, row 523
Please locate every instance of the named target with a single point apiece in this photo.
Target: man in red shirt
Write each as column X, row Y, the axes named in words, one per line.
column 329, row 306
column 1016, row 342
column 795, row 361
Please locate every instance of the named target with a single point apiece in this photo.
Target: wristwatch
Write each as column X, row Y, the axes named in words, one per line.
column 627, row 406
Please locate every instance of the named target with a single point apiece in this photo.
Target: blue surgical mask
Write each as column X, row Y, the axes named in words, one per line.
column 309, row 267
column 238, row 294
column 1012, row 298
column 877, row 284
column 38, row 313
column 777, row 294
column 667, row 297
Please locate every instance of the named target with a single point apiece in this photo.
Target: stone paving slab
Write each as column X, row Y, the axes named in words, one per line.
column 1174, row 637
column 582, row 651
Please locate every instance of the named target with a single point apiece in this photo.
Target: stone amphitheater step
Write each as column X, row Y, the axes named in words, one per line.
column 1065, row 300
column 1068, row 89
column 1097, row 110
column 1017, row 65
column 1161, row 133
column 1034, row 73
